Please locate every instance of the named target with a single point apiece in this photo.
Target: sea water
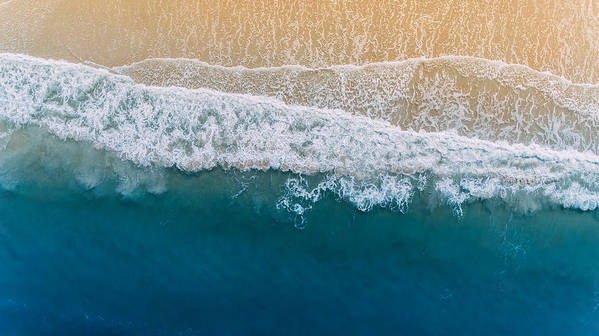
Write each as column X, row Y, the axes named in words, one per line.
column 299, row 167
column 213, row 254
column 204, row 259
column 133, row 209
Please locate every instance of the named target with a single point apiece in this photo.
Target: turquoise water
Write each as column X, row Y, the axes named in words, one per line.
column 198, row 261
column 137, row 210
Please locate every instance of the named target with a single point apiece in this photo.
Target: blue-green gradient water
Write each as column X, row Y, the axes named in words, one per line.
column 128, row 209
column 200, row 262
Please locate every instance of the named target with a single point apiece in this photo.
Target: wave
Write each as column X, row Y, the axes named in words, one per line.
column 368, row 162
column 479, row 98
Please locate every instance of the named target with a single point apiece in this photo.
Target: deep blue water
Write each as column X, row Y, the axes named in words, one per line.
column 197, row 261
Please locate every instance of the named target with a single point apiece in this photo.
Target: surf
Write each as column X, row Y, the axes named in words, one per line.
column 489, row 100
column 368, row 162
column 299, row 167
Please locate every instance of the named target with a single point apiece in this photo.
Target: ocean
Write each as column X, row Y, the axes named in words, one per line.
column 299, row 168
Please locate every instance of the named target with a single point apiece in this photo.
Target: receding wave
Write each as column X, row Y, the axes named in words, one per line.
column 476, row 97
column 366, row 161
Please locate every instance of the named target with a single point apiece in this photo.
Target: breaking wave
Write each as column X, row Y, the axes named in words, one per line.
column 475, row 97
column 368, row 160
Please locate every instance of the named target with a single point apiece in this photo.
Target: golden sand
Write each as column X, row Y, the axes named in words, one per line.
column 549, row 35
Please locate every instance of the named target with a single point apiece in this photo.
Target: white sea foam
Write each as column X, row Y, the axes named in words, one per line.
column 475, row 97
column 368, row 162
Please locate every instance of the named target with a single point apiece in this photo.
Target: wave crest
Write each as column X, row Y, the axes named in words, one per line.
column 479, row 98
column 197, row 130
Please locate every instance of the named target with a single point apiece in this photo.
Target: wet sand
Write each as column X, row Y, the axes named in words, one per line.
column 547, row 35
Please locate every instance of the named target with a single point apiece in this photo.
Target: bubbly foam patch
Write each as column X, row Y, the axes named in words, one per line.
column 368, row 162
column 476, row 97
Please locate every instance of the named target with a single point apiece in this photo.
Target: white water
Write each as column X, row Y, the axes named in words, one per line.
column 475, row 97
column 369, row 162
